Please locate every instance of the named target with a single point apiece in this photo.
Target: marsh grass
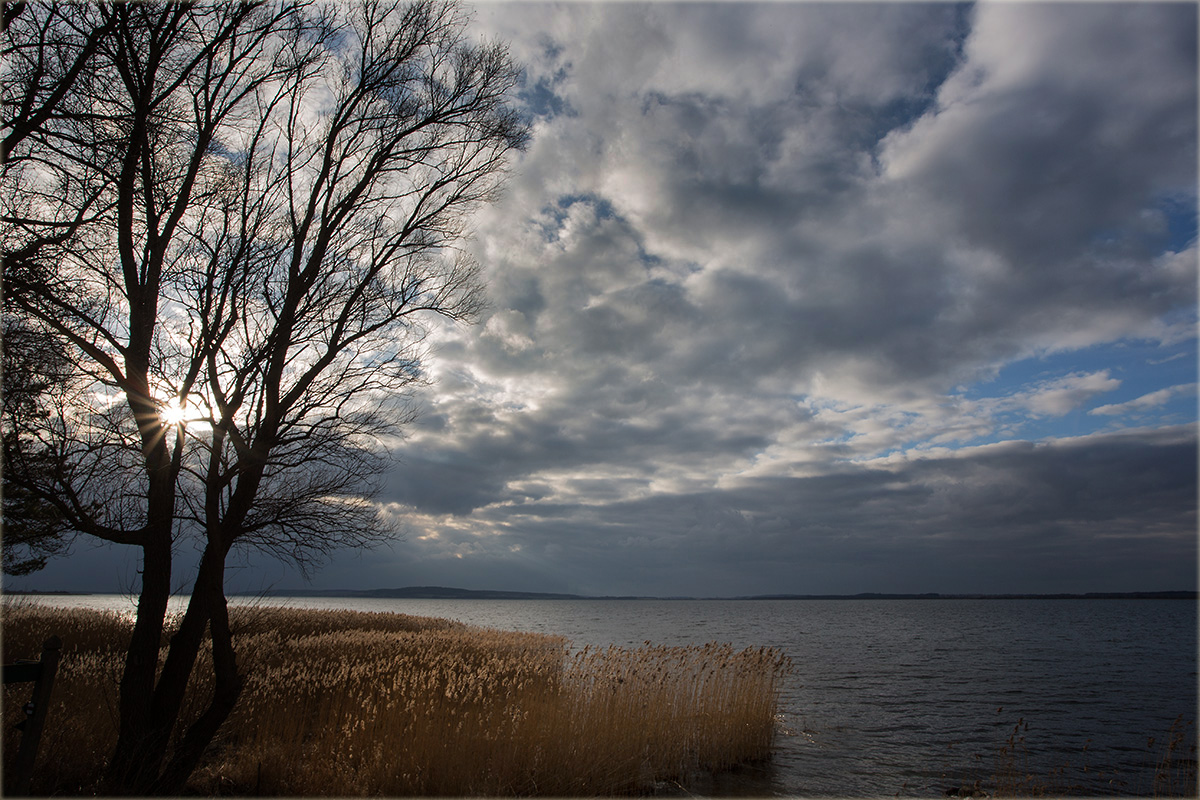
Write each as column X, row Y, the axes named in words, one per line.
column 1175, row 768
column 1011, row 773
column 351, row 703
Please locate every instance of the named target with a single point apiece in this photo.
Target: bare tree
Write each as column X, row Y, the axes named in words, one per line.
column 252, row 213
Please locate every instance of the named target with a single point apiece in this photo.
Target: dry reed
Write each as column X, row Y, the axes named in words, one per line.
column 349, row 703
column 1012, row 775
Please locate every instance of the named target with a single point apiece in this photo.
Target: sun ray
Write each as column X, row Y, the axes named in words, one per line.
column 172, row 413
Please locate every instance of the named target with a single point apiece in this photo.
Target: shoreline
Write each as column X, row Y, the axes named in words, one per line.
column 451, row 593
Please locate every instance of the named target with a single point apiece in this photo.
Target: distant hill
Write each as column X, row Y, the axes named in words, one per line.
column 451, row 593
column 425, row 593
column 936, row 596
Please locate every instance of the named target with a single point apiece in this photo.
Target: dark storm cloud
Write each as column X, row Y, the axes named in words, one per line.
column 1116, row 511
column 1118, row 506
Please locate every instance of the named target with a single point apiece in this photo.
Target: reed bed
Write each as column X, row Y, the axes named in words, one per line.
column 1173, row 757
column 348, row 703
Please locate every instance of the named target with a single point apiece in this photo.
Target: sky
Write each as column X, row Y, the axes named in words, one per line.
column 812, row 298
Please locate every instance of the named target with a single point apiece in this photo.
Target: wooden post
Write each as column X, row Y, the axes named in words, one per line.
column 43, row 674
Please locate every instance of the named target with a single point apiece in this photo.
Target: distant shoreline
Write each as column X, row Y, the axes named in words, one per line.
column 450, row 593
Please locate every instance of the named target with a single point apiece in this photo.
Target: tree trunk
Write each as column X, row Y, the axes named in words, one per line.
column 141, row 664
column 141, row 770
column 227, row 687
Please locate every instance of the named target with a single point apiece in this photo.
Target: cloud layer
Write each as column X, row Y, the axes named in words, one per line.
column 824, row 298
column 756, row 285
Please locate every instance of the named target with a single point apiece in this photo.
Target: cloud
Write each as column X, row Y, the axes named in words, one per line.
column 776, row 245
column 1146, row 401
column 1110, row 511
column 1063, row 395
column 760, row 285
column 1116, row 510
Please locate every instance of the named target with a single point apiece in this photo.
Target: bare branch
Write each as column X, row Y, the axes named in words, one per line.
column 250, row 214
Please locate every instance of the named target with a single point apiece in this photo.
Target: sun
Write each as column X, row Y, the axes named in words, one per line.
column 171, row 413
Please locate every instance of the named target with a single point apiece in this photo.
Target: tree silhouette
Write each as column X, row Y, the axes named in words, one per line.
column 37, row 371
column 239, row 220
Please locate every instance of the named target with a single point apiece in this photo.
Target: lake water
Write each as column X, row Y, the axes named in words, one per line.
column 909, row 697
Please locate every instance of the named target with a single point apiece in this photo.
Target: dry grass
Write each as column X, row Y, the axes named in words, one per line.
column 347, row 703
column 1012, row 776
column 1175, row 767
